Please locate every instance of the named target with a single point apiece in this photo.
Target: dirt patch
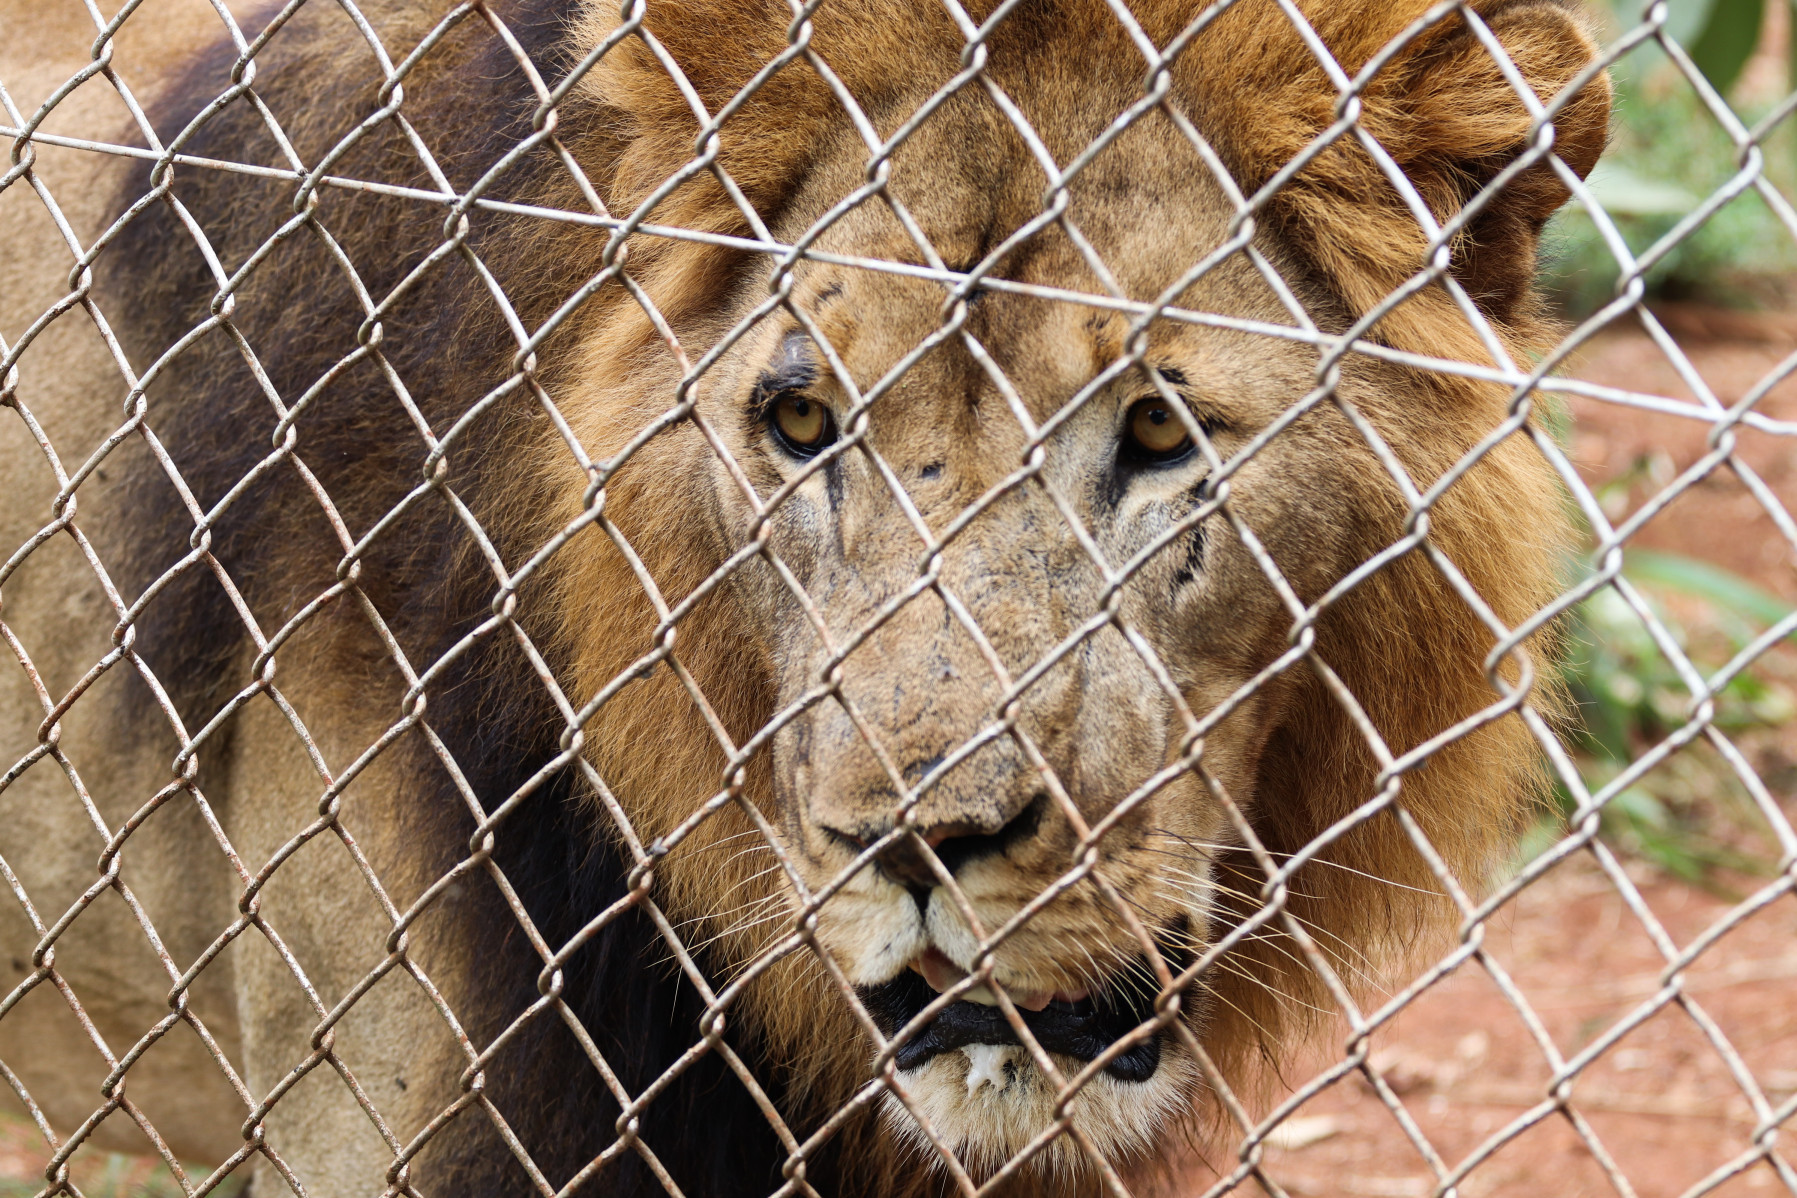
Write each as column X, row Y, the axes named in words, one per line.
column 1470, row 1066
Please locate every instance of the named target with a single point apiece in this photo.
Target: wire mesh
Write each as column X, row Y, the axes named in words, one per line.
column 830, row 597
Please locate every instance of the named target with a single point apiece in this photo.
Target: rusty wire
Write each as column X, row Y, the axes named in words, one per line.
column 1248, row 1131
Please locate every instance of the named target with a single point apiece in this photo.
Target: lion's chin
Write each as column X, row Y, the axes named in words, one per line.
column 987, row 1102
column 982, row 1095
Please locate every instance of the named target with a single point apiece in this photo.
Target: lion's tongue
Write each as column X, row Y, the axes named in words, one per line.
column 941, row 973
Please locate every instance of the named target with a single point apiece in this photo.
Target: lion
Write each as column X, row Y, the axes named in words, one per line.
column 835, row 683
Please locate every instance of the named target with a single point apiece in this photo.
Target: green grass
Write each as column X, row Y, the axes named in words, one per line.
column 115, row 1175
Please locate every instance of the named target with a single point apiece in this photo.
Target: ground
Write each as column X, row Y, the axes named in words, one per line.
column 1465, row 1065
column 1718, row 519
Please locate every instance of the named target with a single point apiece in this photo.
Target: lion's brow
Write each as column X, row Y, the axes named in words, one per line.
column 792, row 369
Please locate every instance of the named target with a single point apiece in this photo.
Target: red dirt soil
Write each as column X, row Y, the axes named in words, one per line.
column 1465, row 1065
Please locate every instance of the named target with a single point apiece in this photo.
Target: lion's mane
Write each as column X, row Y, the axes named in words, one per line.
column 1403, row 641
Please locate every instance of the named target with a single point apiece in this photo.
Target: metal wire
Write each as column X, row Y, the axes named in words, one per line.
column 1246, row 1125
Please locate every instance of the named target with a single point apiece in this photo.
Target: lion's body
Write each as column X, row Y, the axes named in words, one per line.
column 43, row 47
column 1403, row 641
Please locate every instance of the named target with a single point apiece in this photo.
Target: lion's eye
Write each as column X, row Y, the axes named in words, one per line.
column 804, row 425
column 1156, row 433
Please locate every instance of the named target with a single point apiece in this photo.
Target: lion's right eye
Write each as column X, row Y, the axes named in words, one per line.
column 802, row 424
column 1155, row 433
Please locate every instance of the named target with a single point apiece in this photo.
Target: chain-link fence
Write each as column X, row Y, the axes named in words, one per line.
column 862, row 597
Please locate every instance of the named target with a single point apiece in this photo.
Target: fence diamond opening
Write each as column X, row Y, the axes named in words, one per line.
column 845, row 597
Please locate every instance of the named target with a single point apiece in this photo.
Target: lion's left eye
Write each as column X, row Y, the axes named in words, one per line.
column 804, row 425
column 1155, row 431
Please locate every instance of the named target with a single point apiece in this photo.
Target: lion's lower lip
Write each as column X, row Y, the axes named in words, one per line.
column 1081, row 1029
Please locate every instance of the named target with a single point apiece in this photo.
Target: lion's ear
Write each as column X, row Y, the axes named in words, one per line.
column 716, row 48
column 1455, row 121
column 708, row 51
column 1446, row 112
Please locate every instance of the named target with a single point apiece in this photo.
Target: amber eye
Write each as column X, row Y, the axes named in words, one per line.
column 803, row 424
column 1156, row 432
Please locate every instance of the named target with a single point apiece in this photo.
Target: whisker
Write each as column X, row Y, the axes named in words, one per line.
column 1229, row 964
column 1215, row 846
column 1217, row 886
column 722, row 841
column 754, row 848
column 751, row 905
column 736, row 887
column 1366, row 976
column 737, row 929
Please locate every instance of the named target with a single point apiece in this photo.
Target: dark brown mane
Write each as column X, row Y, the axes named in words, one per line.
column 446, row 342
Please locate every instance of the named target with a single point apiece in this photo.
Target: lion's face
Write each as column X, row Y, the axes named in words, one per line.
column 1006, row 610
column 999, row 609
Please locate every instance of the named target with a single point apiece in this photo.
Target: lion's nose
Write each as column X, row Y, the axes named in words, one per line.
column 956, row 843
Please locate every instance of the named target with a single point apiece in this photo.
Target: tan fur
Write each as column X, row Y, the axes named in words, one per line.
column 1405, row 645
column 64, row 620
column 1403, row 642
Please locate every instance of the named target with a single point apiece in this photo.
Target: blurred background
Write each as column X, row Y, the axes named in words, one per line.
column 1683, row 189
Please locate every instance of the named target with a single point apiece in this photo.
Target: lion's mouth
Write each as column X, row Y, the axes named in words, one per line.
column 1076, row 1025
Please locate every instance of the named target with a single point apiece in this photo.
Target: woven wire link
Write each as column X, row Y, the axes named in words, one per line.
column 1509, row 667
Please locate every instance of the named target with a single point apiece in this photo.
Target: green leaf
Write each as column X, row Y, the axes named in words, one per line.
column 1727, row 39
column 1713, row 584
column 1685, row 19
column 1622, row 192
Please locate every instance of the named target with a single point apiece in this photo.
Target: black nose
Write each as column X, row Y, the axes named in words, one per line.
column 956, row 843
